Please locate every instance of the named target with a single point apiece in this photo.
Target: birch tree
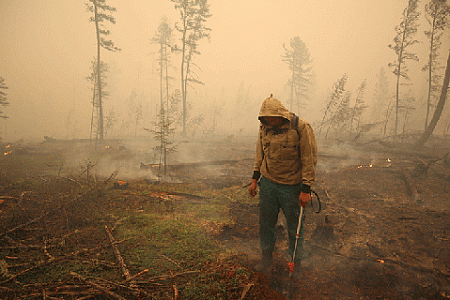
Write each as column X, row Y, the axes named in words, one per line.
column 101, row 13
column 403, row 41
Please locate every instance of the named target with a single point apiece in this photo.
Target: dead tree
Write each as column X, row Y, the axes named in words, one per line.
column 439, row 108
column 100, row 10
column 402, row 41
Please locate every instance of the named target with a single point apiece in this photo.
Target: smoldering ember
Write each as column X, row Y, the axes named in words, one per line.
column 147, row 147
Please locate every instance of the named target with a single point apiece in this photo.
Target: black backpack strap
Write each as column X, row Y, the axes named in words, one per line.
column 294, row 123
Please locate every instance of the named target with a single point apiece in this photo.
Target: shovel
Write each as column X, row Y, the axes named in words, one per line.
column 292, row 263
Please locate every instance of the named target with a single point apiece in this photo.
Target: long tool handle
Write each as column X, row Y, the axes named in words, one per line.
column 291, row 265
column 297, row 236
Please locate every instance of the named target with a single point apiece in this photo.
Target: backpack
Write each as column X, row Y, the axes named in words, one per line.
column 294, row 125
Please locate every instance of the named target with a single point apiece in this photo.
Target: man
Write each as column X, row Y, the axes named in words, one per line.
column 286, row 156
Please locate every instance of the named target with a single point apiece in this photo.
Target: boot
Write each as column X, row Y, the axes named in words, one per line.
column 266, row 262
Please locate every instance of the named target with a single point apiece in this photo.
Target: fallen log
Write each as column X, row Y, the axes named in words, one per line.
column 97, row 286
column 123, row 267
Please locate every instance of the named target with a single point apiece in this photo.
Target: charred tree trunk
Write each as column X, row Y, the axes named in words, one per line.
column 99, row 82
column 439, row 108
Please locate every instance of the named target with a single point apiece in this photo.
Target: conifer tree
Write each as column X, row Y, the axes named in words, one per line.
column 404, row 39
column 163, row 37
column 437, row 15
column 298, row 58
column 358, row 108
column 101, row 12
column 439, row 107
column 3, row 98
column 193, row 16
column 335, row 98
column 381, row 96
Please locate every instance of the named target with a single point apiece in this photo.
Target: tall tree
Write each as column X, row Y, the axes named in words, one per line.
column 103, row 68
column 163, row 37
column 110, row 119
column 3, row 99
column 341, row 116
column 298, row 59
column 358, row 108
column 193, row 16
column 404, row 39
column 437, row 15
column 439, row 108
column 380, row 97
column 102, row 12
column 164, row 129
column 407, row 108
column 334, row 100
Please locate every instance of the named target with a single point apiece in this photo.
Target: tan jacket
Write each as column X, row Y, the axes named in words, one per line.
column 285, row 156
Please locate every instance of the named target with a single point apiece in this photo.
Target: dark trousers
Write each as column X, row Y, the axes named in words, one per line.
column 273, row 197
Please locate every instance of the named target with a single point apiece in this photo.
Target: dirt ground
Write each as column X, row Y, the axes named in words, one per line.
column 382, row 232
column 374, row 238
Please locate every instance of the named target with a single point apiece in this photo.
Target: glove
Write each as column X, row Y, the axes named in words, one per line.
column 252, row 188
column 304, row 198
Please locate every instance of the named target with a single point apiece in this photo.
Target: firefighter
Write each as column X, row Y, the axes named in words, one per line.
column 286, row 155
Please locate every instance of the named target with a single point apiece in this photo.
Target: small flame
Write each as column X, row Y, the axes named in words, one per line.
column 388, row 160
column 370, row 166
column 6, row 153
column 7, row 146
column 106, row 147
column 359, row 167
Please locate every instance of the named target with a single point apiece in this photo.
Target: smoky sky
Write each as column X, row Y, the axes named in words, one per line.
column 47, row 48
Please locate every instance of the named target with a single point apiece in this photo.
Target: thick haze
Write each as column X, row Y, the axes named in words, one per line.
column 47, row 46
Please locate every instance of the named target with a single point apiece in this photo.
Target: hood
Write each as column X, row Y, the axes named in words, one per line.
column 272, row 107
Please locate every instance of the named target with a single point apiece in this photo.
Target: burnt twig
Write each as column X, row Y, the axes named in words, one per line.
column 23, row 225
column 97, row 286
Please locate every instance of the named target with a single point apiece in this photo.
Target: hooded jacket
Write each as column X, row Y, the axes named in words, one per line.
column 283, row 154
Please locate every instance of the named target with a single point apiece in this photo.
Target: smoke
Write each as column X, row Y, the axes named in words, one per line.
column 121, row 158
column 344, row 155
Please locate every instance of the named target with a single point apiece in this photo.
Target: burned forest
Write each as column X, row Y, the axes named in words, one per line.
column 73, row 232
column 133, row 137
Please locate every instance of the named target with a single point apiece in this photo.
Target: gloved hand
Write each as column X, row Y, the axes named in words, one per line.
column 304, row 198
column 252, row 188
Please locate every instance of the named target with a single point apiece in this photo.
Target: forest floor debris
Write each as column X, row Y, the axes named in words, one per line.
column 197, row 236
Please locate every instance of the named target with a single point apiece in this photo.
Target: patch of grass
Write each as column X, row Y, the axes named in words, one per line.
column 165, row 243
column 213, row 209
column 161, row 234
